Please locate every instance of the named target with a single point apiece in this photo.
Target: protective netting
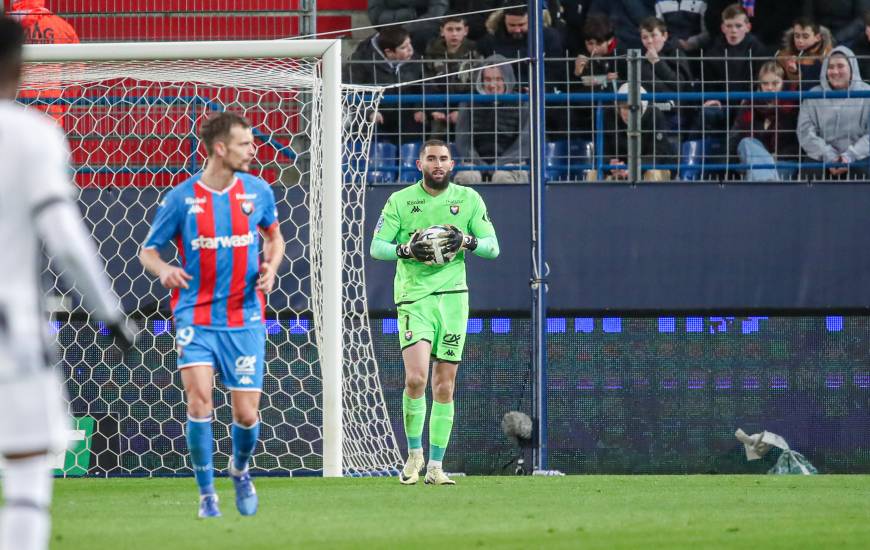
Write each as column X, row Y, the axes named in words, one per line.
column 132, row 131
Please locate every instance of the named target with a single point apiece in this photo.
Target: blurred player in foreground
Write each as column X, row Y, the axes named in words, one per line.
column 431, row 294
column 216, row 219
column 36, row 203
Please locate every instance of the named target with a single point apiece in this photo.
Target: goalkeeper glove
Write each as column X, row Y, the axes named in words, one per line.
column 416, row 249
column 455, row 240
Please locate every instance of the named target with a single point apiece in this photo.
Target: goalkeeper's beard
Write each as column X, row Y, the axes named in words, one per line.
column 432, row 183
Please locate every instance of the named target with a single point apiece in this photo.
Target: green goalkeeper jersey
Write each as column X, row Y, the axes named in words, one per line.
column 413, row 208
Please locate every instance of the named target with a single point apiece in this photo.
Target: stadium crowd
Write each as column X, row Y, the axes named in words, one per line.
column 722, row 49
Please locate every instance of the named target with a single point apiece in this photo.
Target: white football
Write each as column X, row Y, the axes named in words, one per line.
column 433, row 234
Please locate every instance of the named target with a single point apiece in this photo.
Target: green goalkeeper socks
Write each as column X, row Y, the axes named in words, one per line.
column 414, row 415
column 440, row 425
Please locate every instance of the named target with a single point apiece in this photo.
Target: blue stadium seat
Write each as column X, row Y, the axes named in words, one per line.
column 408, row 172
column 555, row 160
column 692, row 154
column 383, row 163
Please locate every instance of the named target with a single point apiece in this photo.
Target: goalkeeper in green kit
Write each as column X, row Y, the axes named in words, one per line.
column 428, row 227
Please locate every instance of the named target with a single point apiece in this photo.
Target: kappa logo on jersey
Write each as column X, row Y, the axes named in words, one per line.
column 416, row 210
column 450, row 353
column 246, row 364
column 195, row 209
column 454, row 209
column 246, row 381
column 195, row 204
column 247, row 208
column 408, row 335
column 224, row 241
column 451, row 339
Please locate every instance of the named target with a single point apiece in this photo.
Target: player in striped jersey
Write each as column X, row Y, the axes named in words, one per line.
column 216, row 219
column 36, row 204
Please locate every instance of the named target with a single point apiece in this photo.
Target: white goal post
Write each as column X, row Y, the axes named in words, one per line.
column 91, row 66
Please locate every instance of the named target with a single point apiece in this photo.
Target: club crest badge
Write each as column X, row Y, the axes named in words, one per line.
column 408, row 335
column 247, row 207
column 454, row 209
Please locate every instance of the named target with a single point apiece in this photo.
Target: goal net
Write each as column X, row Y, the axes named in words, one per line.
column 131, row 113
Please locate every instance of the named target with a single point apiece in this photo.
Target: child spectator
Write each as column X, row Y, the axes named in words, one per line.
column 597, row 71
column 655, row 149
column 664, row 68
column 804, row 48
column 685, row 21
column 764, row 132
column 451, row 52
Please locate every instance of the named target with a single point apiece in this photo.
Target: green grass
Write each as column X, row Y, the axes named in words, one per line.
column 504, row 512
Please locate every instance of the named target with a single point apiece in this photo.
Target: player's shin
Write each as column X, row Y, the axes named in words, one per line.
column 414, row 415
column 200, row 441
column 440, row 426
column 24, row 521
column 244, row 443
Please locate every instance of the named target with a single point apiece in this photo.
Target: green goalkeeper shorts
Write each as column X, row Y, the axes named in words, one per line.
column 440, row 319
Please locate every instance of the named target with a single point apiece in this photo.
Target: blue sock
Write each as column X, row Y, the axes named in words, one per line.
column 200, row 443
column 244, row 443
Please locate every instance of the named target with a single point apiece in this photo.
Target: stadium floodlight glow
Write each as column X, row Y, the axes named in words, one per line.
column 131, row 111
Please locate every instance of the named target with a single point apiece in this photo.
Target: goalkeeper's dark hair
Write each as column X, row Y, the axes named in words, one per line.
column 12, row 39
column 391, row 37
column 432, row 143
column 218, row 126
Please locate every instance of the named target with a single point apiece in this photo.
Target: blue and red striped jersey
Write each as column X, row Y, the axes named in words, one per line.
column 218, row 240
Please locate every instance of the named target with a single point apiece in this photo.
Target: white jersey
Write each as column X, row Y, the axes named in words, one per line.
column 33, row 174
column 36, row 204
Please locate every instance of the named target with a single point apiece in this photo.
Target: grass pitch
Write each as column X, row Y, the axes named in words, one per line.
column 500, row 512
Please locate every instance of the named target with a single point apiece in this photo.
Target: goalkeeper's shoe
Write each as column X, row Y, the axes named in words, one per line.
column 246, row 495
column 208, row 506
column 411, row 471
column 436, row 476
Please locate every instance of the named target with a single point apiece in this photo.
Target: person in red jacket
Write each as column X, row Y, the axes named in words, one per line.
column 42, row 26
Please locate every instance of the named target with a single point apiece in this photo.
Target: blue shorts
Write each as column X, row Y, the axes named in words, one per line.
column 237, row 354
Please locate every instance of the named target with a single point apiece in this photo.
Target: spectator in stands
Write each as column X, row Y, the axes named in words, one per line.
column 734, row 61
column 764, row 132
column 476, row 22
column 655, row 149
column 598, row 70
column 452, row 52
column 403, row 12
column 804, row 47
column 494, row 134
column 574, row 14
column 769, row 19
column 664, row 68
column 835, row 130
column 626, row 16
column 508, row 32
column 685, row 20
column 843, row 17
column 862, row 47
column 388, row 58
column 44, row 27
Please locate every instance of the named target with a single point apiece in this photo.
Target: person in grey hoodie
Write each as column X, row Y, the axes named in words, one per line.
column 835, row 130
column 494, row 134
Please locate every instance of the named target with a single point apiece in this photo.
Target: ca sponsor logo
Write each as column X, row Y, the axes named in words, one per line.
column 224, row 241
column 184, row 336
column 246, row 364
column 451, row 339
